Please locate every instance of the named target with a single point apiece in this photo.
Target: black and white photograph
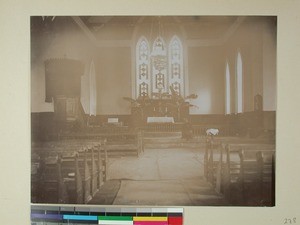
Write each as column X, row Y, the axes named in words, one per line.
column 153, row 110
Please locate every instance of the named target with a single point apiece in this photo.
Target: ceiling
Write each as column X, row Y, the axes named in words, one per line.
column 123, row 31
column 103, row 28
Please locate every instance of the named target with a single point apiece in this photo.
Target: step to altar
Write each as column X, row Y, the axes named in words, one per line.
column 171, row 140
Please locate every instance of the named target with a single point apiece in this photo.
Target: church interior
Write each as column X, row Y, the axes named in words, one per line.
column 153, row 110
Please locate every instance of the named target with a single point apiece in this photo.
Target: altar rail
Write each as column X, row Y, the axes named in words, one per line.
column 198, row 130
column 163, row 127
column 109, row 128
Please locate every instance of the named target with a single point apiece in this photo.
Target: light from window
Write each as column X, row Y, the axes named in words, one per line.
column 239, row 83
column 227, row 88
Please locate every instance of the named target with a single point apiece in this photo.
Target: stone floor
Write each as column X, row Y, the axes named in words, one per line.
column 158, row 177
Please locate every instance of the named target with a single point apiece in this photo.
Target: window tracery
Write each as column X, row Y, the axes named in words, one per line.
column 159, row 69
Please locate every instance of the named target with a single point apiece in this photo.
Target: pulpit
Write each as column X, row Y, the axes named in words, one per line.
column 63, row 86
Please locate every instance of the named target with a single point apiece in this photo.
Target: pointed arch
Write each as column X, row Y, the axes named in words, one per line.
column 143, row 79
column 159, row 46
column 227, row 90
column 239, row 83
column 93, row 89
column 176, row 75
column 159, row 66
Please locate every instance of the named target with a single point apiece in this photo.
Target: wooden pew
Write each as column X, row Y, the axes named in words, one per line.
column 253, row 175
column 91, row 171
column 102, row 163
column 266, row 164
column 95, row 159
column 117, row 144
column 215, row 150
column 211, row 159
column 86, row 175
column 124, row 144
column 240, row 174
column 223, row 167
column 35, row 177
column 212, row 149
column 72, row 177
column 80, row 173
column 51, row 186
column 228, row 176
column 85, row 172
column 213, row 154
column 128, row 144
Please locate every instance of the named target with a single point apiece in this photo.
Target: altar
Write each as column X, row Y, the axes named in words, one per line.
column 166, row 108
column 158, row 111
column 164, row 119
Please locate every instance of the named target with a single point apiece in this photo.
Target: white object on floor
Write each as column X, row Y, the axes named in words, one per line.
column 212, row 131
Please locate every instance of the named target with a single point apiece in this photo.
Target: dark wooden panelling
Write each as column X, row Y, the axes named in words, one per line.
column 102, row 119
column 270, row 120
column 213, row 119
column 253, row 124
column 42, row 126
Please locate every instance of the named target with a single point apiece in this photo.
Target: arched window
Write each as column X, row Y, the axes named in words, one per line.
column 239, row 84
column 88, row 93
column 176, row 65
column 93, row 90
column 143, row 79
column 227, row 90
column 160, row 68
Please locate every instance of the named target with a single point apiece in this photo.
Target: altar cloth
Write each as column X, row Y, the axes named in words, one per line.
column 160, row 119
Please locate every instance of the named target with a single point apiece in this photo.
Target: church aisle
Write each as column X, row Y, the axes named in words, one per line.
column 160, row 177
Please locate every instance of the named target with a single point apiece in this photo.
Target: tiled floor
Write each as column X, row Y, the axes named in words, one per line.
column 159, row 177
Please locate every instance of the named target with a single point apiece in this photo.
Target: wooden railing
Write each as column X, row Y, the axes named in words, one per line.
column 163, row 127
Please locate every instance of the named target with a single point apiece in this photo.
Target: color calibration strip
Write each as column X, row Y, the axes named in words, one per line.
column 106, row 216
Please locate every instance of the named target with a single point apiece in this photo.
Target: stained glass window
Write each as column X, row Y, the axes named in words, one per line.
column 159, row 69
column 142, row 67
column 159, row 66
column 176, row 65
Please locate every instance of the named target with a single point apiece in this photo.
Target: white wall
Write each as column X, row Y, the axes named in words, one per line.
column 269, row 69
column 69, row 43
